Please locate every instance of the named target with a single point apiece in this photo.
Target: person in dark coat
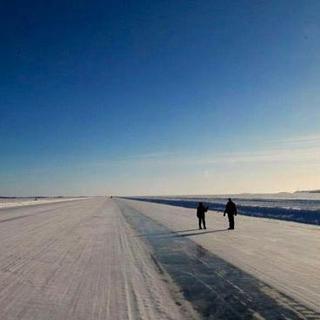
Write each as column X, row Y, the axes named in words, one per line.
column 201, row 210
column 231, row 211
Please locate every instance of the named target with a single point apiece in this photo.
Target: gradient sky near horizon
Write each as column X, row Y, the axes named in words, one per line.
column 159, row 97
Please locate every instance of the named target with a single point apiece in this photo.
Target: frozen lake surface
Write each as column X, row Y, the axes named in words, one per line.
column 119, row 259
column 299, row 207
column 216, row 288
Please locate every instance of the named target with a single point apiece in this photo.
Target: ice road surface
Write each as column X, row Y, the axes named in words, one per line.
column 285, row 255
column 78, row 260
column 85, row 260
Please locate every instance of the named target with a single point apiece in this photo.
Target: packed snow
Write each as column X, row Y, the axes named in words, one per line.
column 85, row 260
column 283, row 254
column 79, row 260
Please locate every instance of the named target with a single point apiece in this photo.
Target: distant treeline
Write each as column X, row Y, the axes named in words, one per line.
column 308, row 191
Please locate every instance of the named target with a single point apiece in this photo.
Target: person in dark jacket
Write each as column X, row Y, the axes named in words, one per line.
column 231, row 211
column 201, row 210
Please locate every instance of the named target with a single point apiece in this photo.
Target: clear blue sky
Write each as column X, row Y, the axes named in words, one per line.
column 159, row 97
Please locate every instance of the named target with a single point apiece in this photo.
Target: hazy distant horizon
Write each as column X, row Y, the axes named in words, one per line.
column 316, row 191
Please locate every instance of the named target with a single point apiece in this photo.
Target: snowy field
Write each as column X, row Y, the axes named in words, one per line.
column 120, row 259
column 19, row 202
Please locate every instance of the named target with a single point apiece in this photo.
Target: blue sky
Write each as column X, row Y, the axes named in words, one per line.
column 159, row 97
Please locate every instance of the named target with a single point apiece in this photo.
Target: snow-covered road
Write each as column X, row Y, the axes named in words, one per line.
column 284, row 255
column 106, row 259
column 79, row 260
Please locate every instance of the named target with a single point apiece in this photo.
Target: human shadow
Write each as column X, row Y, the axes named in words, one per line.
column 180, row 233
column 190, row 234
column 165, row 233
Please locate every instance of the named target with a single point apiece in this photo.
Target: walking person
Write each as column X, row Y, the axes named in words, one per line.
column 231, row 211
column 201, row 210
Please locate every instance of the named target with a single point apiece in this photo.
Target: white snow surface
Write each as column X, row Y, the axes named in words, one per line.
column 283, row 254
column 80, row 260
column 21, row 202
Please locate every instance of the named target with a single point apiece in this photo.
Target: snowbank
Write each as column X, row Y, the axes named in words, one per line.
column 19, row 202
